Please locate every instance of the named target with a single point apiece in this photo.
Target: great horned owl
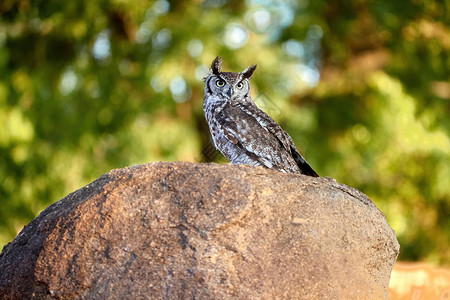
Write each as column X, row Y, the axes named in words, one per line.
column 241, row 131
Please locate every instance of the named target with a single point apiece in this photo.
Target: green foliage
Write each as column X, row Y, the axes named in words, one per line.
column 88, row 86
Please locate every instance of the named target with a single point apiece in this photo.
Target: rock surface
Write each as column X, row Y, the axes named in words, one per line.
column 203, row 231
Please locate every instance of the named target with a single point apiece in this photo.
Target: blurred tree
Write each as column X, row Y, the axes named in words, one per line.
column 362, row 86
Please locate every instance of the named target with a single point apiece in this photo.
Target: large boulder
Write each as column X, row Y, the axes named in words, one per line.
column 203, row 231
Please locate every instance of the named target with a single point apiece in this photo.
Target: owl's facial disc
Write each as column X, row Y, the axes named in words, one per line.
column 225, row 89
column 231, row 86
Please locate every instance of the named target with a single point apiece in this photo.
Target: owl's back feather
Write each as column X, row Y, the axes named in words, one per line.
column 259, row 135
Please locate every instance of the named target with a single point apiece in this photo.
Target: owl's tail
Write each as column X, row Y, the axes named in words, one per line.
column 305, row 168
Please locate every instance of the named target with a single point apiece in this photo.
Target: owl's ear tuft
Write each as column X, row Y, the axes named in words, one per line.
column 216, row 66
column 247, row 73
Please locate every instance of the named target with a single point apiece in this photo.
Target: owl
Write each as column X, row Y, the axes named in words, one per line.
column 241, row 131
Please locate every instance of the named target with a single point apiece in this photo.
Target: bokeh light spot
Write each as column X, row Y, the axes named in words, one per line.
column 102, row 46
column 294, row 48
column 195, row 48
column 178, row 88
column 260, row 21
column 236, row 36
column 68, row 82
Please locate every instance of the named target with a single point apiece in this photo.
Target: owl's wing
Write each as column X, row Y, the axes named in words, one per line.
column 246, row 132
column 267, row 134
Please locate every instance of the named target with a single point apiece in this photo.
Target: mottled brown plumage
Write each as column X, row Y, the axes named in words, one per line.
column 241, row 131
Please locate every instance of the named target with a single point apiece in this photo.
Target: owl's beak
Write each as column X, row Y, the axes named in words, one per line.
column 230, row 92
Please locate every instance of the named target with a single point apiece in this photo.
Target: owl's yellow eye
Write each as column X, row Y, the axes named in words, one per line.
column 240, row 85
column 220, row 83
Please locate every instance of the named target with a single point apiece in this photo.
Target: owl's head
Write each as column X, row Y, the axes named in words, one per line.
column 229, row 85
